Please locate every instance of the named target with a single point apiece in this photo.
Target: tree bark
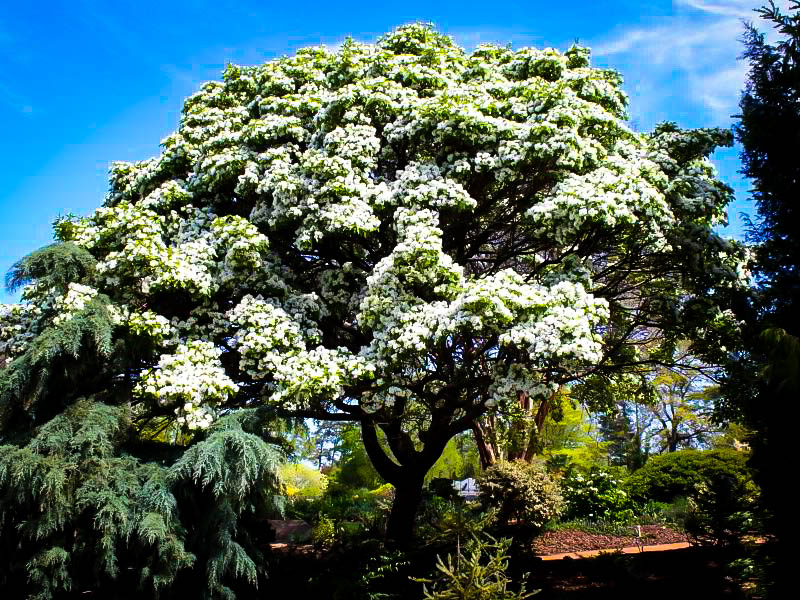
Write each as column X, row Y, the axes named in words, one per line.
column 485, row 450
column 407, row 477
column 535, row 440
column 407, row 496
column 485, row 438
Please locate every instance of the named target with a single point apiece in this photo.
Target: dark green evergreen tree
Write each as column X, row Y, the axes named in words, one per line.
column 618, row 427
column 762, row 385
column 769, row 131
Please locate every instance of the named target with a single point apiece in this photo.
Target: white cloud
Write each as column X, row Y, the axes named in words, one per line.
column 743, row 9
column 697, row 47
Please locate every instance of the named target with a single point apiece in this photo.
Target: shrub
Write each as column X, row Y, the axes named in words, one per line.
column 302, row 481
column 520, row 490
column 385, row 570
column 597, row 495
column 674, row 513
column 324, row 532
column 667, row 476
column 722, row 510
column 353, row 513
column 442, row 520
column 479, row 573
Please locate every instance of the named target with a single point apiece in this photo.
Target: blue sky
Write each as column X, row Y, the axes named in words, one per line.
column 84, row 83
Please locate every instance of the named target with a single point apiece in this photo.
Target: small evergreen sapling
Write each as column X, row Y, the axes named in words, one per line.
column 478, row 573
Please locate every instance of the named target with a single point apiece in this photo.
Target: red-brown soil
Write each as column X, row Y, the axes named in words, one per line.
column 556, row 542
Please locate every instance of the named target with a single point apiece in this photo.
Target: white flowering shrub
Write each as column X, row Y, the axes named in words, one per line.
column 522, row 491
column 596, row 496
column 402, row 234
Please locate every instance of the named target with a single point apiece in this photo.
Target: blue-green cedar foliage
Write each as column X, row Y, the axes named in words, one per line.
column 90, row 499
column 87, row 504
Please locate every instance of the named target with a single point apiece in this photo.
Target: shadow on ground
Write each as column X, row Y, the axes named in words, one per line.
column 682, row 574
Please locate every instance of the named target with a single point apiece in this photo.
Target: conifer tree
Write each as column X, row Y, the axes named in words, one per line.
column 402, row 235
column 618, row 428
column 764, row 381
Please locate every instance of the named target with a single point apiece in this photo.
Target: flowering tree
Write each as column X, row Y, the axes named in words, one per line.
column 401, row 234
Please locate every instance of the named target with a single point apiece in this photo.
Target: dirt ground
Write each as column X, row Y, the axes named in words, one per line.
column 557, row 542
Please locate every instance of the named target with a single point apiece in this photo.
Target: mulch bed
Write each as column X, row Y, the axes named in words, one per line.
column 291, row 531
column 556, row 542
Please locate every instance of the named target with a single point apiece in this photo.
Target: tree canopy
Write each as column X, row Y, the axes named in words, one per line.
column 401, row 234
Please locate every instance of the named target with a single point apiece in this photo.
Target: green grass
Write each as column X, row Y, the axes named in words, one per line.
column 587, row 526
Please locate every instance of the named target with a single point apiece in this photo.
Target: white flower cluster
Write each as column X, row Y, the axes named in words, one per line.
column 274, row 344
column 424, row 185
column 130, row 237
column 170, row 195
column 146, row 323
column 266, row 335
column 193, row 378
column 741, row 263
column 555, row 322
column 240, row 240
column 340, row 285
column 187, row 266
column 354, row 142
column 624, row 190
column 168, row 244
column 271, row 128
column 693, row 189
column 508, row 382
column 129, row 180
column 565, row 329
column 324, row 141
column 417, row 260
column 318, row 375
column 19, row 324
column 73, row 301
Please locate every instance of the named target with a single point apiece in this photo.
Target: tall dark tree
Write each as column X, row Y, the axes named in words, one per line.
column 762, row 385
column 619, row 427
column 769, row 131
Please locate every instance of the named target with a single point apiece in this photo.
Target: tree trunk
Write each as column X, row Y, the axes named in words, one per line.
column 535, row 440
column 672, row 442
column 486, row 436
column 407, row 496
column 407, row 476
column 485, row 450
